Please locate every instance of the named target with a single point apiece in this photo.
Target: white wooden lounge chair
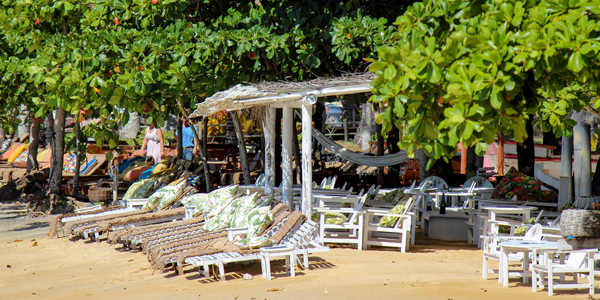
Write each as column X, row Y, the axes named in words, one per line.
column 491, row 249
column 579, row 262
column 302, row 242
column 348, row 232
column 221, row 259
column 397, row 235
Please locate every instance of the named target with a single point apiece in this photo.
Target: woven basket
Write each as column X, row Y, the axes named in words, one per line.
column 579, row 223
column 100, row 194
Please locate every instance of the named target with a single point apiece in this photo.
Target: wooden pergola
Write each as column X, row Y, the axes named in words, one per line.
column 287, row 96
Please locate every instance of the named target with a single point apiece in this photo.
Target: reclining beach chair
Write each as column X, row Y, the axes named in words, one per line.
column 302, row 242
column 93, row 227
column 174, row 251
column 296, row 241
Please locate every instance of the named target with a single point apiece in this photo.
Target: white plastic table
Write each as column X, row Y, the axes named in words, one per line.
column 336, row 200
column 493, row 211
column 520, row 246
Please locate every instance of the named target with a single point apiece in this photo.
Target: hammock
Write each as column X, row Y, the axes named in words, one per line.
column 359, row 158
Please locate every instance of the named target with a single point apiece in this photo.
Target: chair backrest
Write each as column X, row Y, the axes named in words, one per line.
column 331, row 184
column 297, row 237
column 576, row 260
column 344, row 186
column 260, row 181
column 358, row 207
column 534, row 233
column 480, row 180
column 412, row 186
column 419, row 196
column 362, row 191
column 323, row 182
column 435, row 182
column 472, row 187
column 376, row 191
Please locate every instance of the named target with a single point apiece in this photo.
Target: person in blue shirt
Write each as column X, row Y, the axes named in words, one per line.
column 190, row 149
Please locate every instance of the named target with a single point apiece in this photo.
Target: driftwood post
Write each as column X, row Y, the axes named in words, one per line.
column 287, row 176
column 241, row 145
column 307, row 104
column 269, row 132
column 201, row 150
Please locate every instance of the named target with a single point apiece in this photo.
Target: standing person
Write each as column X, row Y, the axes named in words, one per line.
column 188, row 142
column 154, row 142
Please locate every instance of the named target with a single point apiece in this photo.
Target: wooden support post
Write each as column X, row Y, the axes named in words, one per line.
column 269, row 132
column 307, row 104
column 287, row 175
column 500, row 154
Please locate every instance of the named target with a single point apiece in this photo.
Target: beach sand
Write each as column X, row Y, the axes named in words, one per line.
column 34, row 266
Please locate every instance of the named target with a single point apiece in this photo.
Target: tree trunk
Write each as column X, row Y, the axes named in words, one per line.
column 23, row 127
column 296, row 149
column 48, row 130
column 550, row 139
column 392, row 142
column 366, row 126
column 34, row 142
column 319, row 120
column 205, row 136
column 526, row 151
column 58, row 151
column 380, row 151
column 423, row 159
column 241, row 145
column 230, row 132
column 179, row 138
column 77, row 157
column 132, row 128
column 2, row 135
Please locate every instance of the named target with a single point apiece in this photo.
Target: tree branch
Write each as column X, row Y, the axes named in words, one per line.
column 588, row 108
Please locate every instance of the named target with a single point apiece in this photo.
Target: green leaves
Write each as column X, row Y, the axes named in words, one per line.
column 480, row 68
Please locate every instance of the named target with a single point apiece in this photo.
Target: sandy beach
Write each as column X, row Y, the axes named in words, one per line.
column 37, row 267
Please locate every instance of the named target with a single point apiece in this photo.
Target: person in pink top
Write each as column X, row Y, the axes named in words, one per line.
column 153, row 143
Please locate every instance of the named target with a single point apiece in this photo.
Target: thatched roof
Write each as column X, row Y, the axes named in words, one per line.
column 237, row 97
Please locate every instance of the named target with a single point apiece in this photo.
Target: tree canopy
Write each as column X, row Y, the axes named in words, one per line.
column 467, row 70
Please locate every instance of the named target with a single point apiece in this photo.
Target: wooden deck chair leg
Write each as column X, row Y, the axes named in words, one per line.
column 484, row 271
column 591, row 276
column 222, row 270
column 305, row 258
